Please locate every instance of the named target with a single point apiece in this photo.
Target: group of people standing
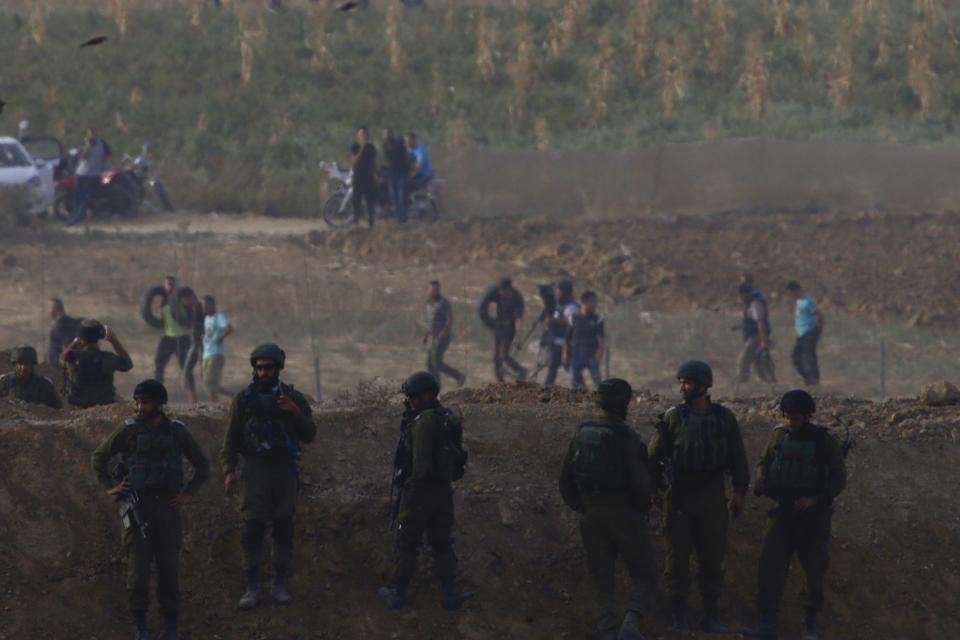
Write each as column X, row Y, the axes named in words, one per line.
column 612, row 480
column 408, row 168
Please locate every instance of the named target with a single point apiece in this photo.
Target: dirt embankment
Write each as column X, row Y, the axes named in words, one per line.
column 894, row 573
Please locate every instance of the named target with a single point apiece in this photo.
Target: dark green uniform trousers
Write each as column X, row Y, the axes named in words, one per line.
column 695, row 520
column 608, row 532
column 268, row 498
column 428, row 510
column 161, row 545
column 808, row 536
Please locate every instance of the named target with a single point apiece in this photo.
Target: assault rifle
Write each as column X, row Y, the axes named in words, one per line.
column 666, row 460
column 399, row 476
column 129, row 503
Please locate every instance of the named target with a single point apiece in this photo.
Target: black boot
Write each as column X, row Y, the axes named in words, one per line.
column 766, row 630
column 678, row 614
column 140, row 631
column 170, row 628
column 711, row 618
column 810, row 626
column 251, row 596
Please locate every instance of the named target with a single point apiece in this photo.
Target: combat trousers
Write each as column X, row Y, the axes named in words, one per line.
column 268, row 496
column 161, row 545
column 502, row 344
column 435, row 363
column 166, row 349
column 695, row 520
column 808, row 536
column 428, row 509
column 608, row 532
column 805, row 358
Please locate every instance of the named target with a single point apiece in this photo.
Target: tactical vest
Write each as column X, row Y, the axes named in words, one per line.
column 264, row 431
column 700, row 444
column 598, row 459
column 798, row 465
column 155, row 463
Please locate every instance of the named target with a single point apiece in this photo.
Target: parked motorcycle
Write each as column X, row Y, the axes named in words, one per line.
column 120, row 192
column 337, row 211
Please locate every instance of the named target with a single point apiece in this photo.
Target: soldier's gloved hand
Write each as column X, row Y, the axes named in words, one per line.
column 287, row 405
column 230, row 483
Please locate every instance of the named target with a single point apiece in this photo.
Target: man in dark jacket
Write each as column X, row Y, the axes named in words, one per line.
column 62, row 333
column 364, row 176
column 398, row 165
column 504, row 325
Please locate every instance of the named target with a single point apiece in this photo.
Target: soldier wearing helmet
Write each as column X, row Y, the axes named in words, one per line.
column 697, row 444
column 429, row 458
column 151, row 446
column 88, row 370
column 25, row 384
column 606, row 478
column 268, row 422
column 803, row 469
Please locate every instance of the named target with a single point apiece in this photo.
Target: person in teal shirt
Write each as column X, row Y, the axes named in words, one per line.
column 216, row 327
column 809, row 327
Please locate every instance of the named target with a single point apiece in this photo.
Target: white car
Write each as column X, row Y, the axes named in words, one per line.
column 18, row 168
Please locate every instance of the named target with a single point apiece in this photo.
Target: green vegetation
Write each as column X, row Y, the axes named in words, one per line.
column 241, row 106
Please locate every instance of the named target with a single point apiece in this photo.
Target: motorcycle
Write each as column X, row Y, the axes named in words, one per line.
column 337, row 210
column 120, row 192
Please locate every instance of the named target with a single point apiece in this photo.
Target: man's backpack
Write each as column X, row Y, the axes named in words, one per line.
column 598, row 462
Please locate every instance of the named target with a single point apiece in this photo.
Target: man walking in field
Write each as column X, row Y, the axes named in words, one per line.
column 809, row 326
column 439, row 321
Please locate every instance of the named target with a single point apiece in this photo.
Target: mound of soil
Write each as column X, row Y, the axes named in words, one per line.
column 894, row 571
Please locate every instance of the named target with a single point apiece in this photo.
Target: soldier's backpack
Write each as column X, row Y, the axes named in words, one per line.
column 454, row 456
column 598, row 461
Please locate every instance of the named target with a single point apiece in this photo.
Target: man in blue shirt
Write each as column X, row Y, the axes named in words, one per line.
column 809, row 326
column 422, row 171
column 216, row 327
column 585, row 342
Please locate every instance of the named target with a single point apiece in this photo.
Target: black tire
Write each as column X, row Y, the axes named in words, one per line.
column 147, row 305
column 423, row 208
column 128, row 197
column 337, row 213
column 163, row 196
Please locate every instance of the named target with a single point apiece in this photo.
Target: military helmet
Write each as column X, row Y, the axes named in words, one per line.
column 91, row 331
column 798, row 401
column 614, row 393
column 151, row 390
column 268, row 351
column 696, row 370
column 23, row 353
column 420, row 382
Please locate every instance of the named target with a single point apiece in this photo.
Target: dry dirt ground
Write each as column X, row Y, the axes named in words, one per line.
column 894, row 573
column 351, row 300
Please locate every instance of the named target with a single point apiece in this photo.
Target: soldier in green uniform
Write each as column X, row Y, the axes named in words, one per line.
column 269, row 420
column 803, row 469
column 429, row 458
column 697, row 443
column 24, row 383
column 606, row 478
column 88, row 370
column 151, row 447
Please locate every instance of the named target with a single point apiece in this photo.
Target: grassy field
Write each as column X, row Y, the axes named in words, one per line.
column 241, row 103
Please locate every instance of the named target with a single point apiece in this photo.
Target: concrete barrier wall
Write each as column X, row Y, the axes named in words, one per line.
column 731, row 175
